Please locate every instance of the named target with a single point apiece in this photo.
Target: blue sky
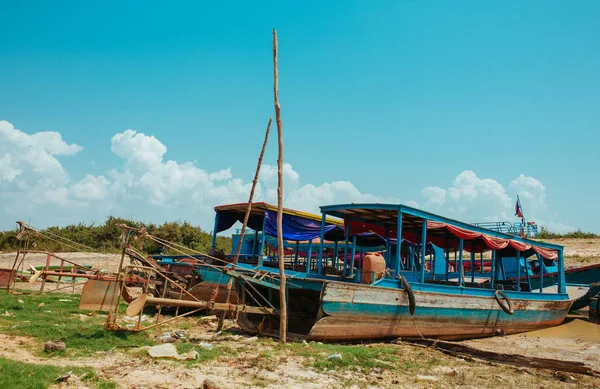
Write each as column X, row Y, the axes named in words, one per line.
column 454, row 106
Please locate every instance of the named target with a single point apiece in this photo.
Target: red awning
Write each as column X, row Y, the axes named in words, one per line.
column 478, row 242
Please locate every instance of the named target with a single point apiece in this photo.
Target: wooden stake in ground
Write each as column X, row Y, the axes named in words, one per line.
column 282, row 287
column 245, row 223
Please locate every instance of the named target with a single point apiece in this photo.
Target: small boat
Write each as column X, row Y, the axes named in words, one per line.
column 397, row 295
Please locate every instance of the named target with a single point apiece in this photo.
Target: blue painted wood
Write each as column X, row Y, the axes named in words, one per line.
column 493, row 269
column 296, row 254
column 255, row 243
column 346, row 251
column 262, row 247
column 561, row 271
column 309, row 256
column 472, row 263
column 214, row 237
column 541, row 262
column 423, row 249
column 322, row 245
column 460, row 261
column 447, row 258
column 336, row 254
column 353, row 254
column 399, row 264
column 518, row 270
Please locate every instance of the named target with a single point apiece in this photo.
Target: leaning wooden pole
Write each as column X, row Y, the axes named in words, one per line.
column 282, row 287
column 245, row 223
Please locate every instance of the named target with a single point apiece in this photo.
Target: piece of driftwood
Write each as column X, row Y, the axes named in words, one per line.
column 460, row 350
column 245, row 223
column 282, row 288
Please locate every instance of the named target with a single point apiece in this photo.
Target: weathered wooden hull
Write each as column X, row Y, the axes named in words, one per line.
column 353, row 312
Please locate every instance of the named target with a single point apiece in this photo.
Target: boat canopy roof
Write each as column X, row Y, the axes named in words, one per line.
column 446, row 233
column 297, row 225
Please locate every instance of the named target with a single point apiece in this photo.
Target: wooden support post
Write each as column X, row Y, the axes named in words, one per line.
column 482, row 263
column 447, row 254
column 346, row 251
column 541, row 262
column 62, row 264
column 282, row 289
column 387, row 257
column 254, row 243
column 334, row 260
column 296, row 254
column 562, row 287
column 399, row 264
column 423, row 250
column 321, row 245
column 493, row 270
column 473, row 262
column 460, row 262
column 351, row 262
column 47, row 268
column 214, row 237
column 518, row 270
column 309, row 256
column 245, row 223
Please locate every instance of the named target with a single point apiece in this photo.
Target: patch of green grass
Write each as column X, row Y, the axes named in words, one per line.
column 61, row 320
column 359, row 357
column 22, row 375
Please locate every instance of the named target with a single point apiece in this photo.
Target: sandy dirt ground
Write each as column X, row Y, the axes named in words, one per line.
column 260, row 363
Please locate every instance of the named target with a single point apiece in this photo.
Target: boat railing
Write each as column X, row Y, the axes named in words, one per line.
column 529, row 230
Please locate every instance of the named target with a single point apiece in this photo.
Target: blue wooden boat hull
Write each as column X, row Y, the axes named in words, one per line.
column 352, row 312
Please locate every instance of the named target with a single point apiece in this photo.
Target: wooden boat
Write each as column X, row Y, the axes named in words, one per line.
column 410, row 301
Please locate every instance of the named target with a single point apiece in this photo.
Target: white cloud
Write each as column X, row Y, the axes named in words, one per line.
column 8, row 171
column 469, row 198
column 475, row 199
column 149, row 187
column 31, row 176
column 90, row 188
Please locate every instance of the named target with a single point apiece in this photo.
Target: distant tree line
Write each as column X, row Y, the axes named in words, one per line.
column 106, row 237
column 544, row 233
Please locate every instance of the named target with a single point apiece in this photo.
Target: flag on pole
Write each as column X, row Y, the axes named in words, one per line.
column 518, row 209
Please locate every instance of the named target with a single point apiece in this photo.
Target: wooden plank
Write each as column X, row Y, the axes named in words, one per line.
column 461, row 350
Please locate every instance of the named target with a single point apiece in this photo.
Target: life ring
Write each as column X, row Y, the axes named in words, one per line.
column 411, row 296
column 509, row 307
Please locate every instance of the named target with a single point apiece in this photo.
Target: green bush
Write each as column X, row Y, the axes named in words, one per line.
column 546, row 234
column 107, row 237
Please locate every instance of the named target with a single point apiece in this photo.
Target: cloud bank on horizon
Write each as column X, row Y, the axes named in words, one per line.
column 145, row 186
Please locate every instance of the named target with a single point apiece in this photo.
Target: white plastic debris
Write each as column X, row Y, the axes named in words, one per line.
column 206, row 346
column 252, row 339
column 335, row 357
column 166, row 338
column 167, row 350
column 427, row 378
column 65, row 300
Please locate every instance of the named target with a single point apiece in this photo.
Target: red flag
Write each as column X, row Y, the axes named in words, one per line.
column 518, row 210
